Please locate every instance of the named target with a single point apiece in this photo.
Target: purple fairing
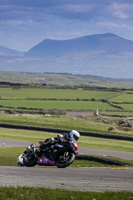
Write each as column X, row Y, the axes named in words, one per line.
column 45, row 161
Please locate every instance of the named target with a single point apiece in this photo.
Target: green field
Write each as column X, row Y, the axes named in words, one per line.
column 77, row 99
column 61, row 99
column 57, row 102
column 127, row 106
column 60, row 105
column 63, row 79
column 73, row 98
column 123, row 98
column 50, row 93
column 65, row 99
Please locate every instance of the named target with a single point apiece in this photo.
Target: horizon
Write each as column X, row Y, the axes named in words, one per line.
column 65, row 40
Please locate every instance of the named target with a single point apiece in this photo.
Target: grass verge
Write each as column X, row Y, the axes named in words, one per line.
column 8, row 156
column 94, row 124
column 26, row 193
column 84, row 141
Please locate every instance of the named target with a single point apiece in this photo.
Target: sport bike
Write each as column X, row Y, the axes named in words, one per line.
column 59, row 154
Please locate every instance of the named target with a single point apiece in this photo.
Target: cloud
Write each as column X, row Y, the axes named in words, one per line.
column 111, row 25
column 78, row 8
column 69, row 9
column 30, row 21
column 14, row 22
column 121, row 10
column 121, row 15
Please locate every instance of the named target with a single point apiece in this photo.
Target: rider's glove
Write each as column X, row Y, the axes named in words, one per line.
column 60, row 137
column 52, row 140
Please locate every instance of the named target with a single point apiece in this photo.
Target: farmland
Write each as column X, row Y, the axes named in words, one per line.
column 123, row 98
column 56, row 107
column 62, row 105
column 50, row 93
column 64, row 79
column 67, row 101
column 31, row 105
column 61, row 99
column 83, row 99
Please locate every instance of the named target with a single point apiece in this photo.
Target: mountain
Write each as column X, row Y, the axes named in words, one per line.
column 107, row 55
column 107, row 44
column 9, row 52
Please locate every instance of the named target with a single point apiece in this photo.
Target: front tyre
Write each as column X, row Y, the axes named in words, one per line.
column 29, row 160
column 65, row 159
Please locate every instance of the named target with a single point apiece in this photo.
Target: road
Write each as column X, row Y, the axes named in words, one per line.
column 91, row 151
column 85, row 179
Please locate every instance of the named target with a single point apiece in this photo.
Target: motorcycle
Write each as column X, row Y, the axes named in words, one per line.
column 59, row 154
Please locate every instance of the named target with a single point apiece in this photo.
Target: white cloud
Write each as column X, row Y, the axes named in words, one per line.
column 121, row 10
column 81, row 8
column 110, row 25
column 121, row 15
column 33, row 20
column 14, row 22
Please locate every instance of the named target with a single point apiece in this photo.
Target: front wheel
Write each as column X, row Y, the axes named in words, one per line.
column 29, row 159
column 65, row 159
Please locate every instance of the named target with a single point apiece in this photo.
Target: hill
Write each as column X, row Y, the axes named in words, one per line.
column 4, row 51
column 107, row 44
column 107, row 55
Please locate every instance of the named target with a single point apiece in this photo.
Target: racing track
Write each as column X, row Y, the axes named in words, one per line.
column 86, row 179
column 91, row 151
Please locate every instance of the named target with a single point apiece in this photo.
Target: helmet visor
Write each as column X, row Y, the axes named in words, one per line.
column 75, row 137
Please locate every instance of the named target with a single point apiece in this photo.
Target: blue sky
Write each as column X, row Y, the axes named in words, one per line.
column 25, row 23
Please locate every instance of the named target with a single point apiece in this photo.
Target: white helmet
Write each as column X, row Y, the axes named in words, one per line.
column 74, row 135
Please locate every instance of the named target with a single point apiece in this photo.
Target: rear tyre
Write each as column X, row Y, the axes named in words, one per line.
column 29, row 160
column 65, row 159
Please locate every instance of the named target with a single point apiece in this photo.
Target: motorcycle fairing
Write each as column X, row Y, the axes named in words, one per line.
column 45, row 161
column 58, row 145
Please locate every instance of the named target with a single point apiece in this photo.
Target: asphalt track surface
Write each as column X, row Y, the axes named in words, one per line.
column 85, row 179
column 91, row 151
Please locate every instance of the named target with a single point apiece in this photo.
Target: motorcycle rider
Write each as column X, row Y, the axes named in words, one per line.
column 72, row 135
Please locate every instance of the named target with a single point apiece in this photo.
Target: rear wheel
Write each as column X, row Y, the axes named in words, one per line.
column 29, row 159
column 65, row 159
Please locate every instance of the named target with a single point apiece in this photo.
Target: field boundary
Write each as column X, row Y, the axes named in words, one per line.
column 55, row 130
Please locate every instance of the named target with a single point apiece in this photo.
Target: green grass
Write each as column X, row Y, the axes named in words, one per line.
column 8, row 157
column 100, row 143
column 26, row 193
column 84, row 141
column 123, row 98
column 62, row 79
column 16, row 97
column 127, row 106
column 90, row 163
column 65, row 123
column 61, row 105
column 24, row 135
column 10, row 93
